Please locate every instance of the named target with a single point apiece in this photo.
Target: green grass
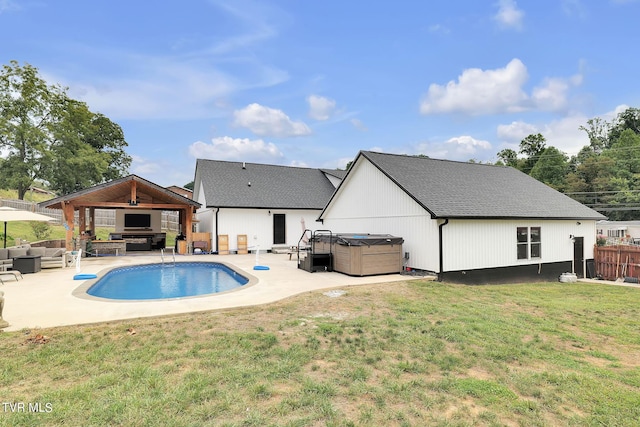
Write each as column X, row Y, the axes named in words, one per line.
column 403, row 354
column 23, row 230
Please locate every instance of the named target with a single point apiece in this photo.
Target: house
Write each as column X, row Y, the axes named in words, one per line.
column 467, row 222
column 184, row 192
column 269, row 204
column 619, row 232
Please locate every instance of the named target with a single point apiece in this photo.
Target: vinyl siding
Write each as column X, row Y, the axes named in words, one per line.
column 473, row 244
column 369, row 202
column 257, row 224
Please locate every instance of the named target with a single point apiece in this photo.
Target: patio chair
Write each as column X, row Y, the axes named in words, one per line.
column 14, row 273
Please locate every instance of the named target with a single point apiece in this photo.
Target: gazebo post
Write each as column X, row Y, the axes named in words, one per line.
column 68, row 210
column 92, row 221
column 82, row 218
column 188, row 218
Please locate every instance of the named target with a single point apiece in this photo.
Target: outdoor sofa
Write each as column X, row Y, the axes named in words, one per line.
column 49, row 257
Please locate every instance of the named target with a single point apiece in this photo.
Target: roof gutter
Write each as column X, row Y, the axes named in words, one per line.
column 440, row 252
column 217, row 210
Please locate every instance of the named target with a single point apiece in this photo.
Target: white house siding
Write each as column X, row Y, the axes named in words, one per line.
column 333, row 180
column 206, row 220
column 476, row 244
column 257, row 224
column 369, row 202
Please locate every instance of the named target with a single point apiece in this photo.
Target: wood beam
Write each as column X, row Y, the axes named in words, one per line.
column 188, row 216
column 82, row 218
column 134, row 192
column 92, row 221
column 68, row 211
column 163, row 206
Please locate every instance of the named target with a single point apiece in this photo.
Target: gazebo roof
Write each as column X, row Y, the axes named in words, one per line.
column 129, row 192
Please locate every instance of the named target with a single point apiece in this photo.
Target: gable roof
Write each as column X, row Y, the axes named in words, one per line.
column 117, row 193
column 226, row 185
column 338, row 173
column 448, row 189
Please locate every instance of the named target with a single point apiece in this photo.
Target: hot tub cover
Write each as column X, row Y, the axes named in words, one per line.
column 362, row 239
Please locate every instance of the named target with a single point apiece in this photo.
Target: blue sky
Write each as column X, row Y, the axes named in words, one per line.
column 310, row 83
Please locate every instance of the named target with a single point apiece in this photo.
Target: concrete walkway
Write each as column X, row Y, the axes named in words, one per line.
column 47, row 298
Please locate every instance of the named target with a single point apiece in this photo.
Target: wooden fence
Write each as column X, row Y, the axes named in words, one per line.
column 613, row 262
column 104, row 217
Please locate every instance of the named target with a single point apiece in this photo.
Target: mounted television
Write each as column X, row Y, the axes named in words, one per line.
column 137, row 220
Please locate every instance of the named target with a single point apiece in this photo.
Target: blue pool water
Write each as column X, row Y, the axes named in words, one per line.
column 158, row 281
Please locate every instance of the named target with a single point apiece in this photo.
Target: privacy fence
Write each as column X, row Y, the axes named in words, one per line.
column 104, row 217
column 621, row 261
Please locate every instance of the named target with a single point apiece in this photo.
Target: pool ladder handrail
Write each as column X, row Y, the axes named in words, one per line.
column 173, row 251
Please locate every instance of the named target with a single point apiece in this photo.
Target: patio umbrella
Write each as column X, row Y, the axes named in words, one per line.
column 8, row 214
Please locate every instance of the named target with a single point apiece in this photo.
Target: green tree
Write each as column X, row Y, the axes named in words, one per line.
column 628, row 119
column 597, row 130
column 551, row 168
column 52, row 137
column 28, row 109
column 532, row 147
column 625, row 151
column 509, row 157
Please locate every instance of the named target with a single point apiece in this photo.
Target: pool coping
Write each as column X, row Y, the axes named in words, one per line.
column 45, row 300
column 82, row 290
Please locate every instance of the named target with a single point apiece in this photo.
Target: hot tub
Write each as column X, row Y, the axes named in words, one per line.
column 364, row 254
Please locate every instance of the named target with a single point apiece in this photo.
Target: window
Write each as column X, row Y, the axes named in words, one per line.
column 529, row 242
column 616, row 233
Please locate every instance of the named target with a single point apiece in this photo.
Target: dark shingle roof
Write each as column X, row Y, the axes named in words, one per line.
column 226, row 184
column 338, row 173
column 451, row 189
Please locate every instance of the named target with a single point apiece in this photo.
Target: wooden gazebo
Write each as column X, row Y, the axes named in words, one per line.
column 131, row 192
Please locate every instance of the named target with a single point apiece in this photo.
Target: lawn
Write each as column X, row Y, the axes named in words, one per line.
column 403, row 354
column 23, row 230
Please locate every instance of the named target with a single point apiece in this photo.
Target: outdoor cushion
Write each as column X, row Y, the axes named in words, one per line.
column 54, row 252
column 4, row 254
column 36, row 251
column 16, row 252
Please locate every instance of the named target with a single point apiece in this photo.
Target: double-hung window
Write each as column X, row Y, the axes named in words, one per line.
column 529, row 242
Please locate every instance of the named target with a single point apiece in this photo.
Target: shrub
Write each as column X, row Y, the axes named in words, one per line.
column 41, row 230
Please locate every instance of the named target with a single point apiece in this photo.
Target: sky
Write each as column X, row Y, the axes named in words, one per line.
column 311, row 83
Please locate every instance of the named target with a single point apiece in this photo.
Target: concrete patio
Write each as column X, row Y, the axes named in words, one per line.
column 46, row 299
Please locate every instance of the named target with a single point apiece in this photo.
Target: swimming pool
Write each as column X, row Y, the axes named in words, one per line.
column 162, row 281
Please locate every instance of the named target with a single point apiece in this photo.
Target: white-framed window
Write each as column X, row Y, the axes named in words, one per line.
column 616, row 233
column 529, row 242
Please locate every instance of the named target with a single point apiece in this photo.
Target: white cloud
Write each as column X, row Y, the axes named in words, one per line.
column 461, row 148
column 498, row 91
column 515, row 132
column 189, row 81
column 574, row 8
column 8, row 5
column 553, row 93
column 359, row 125
column 320, row 108
column 564, row 134
column 508, row 15
column 298, row 164
column 265, row 121
column 227, row 148
column 480, row 92
column 142, row 166
column 168, row 91
column 439, row 29
column 468, row 145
